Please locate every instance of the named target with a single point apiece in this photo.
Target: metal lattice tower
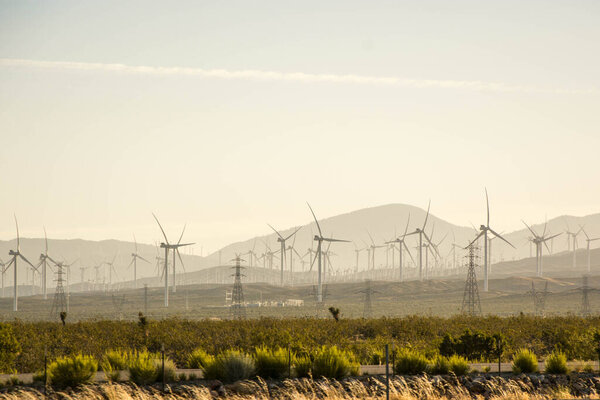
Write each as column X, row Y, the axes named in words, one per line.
column 585, row 300
column 471, row 303
column 118, row 302
column 238, row 307
column 59, row 304
column 368, row 306
column 539, row 299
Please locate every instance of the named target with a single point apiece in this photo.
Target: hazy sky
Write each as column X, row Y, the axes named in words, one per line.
column 239, row 112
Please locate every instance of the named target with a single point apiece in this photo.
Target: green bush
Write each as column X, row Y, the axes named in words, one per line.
column 459, row 365
column 170, row 369
column 142, row 368
column 331, row 362
column 72, row 371
column 410, row 362
column 199, row 359
column 230, row 366
column 524, row 361
column 556, row 363
column 440, row 366
column 9, row 348
column 303, row 367
column 113, row 362
column 272, row 364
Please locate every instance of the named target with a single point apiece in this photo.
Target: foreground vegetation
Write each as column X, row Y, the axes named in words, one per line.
column 363, row 338
column 401, row 388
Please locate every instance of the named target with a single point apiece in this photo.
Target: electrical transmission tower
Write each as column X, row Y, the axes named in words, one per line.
column 238, row 308
column 471, row 303
column 539, row 299
column 118, row 302
column 59, row 304
column 585, row 300
column 368, row 306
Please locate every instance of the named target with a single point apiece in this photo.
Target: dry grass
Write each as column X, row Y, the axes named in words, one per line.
column 421, row 388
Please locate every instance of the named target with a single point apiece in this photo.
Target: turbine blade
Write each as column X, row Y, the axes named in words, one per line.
column 180, row 259
column 499, row 236
column 409, row 253
column 296, row 231
column 143, row 259
column 161, row 228
column 474, row 240
column 407, row 222
column 181, row 236
column 275, row 230
column 427, row 215
column 315, row 217
column 18, row 239
column 335, row 240
column 46, row 240
column 487, row 202
column 26, row 260
column 530, row 230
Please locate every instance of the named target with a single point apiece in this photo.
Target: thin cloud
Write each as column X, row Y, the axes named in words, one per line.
column 287, row 76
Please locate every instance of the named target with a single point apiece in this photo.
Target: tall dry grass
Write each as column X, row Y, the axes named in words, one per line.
column 420, row 388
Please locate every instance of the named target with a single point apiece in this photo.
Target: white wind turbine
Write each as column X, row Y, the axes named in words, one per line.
column 16, row 254
column 320, row 239
column 574, row 235
column 357, row 253
column 134, row 258
column 538, row 240
column 589, row 241
column 401, row 247
column 421, row 233
column 282, row 240
column 484, row 229
column 44, row 257
column 373, row 247
column 175, row 247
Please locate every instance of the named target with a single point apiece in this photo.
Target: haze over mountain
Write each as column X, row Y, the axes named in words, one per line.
column 383, row 223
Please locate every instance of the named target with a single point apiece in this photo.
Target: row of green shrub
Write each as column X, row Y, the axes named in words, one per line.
column 146, row 367
column 525, row 361
column 28, row 341
column 411, row 362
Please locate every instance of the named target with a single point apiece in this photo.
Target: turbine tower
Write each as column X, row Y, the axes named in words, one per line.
column 574, row 235
column 44, row 257
column 282, row 240
column 134, row 257
column 484, row 229
column 320, row 239
column 16, row 254
column 538, row 240
column 373, row 246
column 175, row 247
column 588, row 240
column 421, row 233
column 401, row 247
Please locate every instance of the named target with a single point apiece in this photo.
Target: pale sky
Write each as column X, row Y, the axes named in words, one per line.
column 228, row 115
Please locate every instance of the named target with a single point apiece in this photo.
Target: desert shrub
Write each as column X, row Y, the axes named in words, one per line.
column 473, row 345
column 142, row 368
column 113, row 362
column 199, row 359
column 331, row 362
column 230, row 366
column 272, row 364
column 303, row 367
column 9, row 348
column 170, row 369
column 440, row 366
column 72, row 370
column 556, row 363
column 410, row 362
column 459, row 365
column 377, row 357
column 524, row 361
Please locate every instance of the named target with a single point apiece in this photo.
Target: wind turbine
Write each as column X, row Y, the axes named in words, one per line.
column 357, row 252
column 134, row 257
column 373, row 247
column 16, row 254
column 3, row 269
column 401, row 245
column 320, row 239
column 44, row 264
column 575, row 244
column 588, row 240
column 282, row 240
column 484, row 229
column 421, row 233
column 538, row 240
column 175, row 247
column 111, row 268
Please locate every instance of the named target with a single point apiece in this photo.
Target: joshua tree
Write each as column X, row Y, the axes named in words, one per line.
column 335, row 313
column 63, row 317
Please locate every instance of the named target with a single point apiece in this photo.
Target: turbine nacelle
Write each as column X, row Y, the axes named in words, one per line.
column 13, row 253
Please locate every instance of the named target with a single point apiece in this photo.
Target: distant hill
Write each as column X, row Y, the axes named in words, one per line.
column 383, row 223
